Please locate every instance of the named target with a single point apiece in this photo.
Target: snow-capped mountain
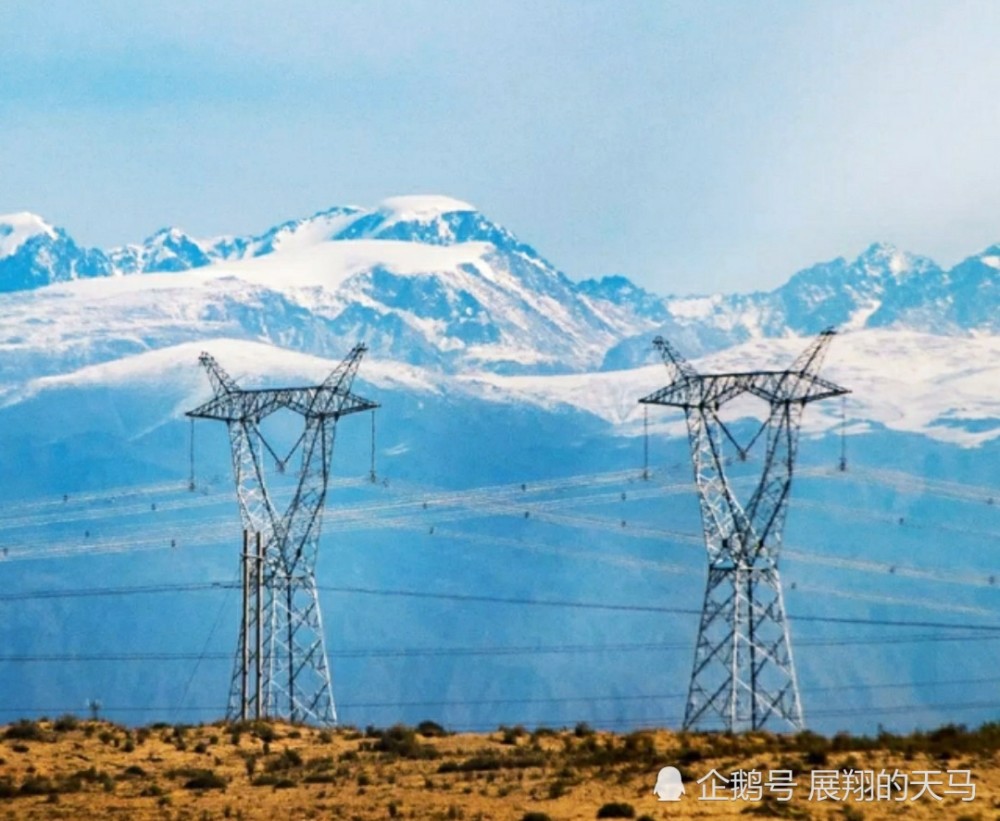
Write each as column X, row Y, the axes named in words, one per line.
column 433, row 220
column 490, row 300
column 884, row 287
column 426, row 279
column 34, row 253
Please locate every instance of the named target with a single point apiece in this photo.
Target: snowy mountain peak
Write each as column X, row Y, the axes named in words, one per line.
column 432, row 220
column 883, row 257
column 167, row 235
column 16, row 229
column 420, row 208
column 990, row 257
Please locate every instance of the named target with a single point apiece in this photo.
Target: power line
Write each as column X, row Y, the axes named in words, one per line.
column 462, row 504
column 589, row 605
column 617, row 698
column 496, row 650
column 215, row 530
column 419, row 495
column 88, row 592
column 482, row 598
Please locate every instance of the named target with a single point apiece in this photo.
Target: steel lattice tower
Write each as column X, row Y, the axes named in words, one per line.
column 743, row 674
column 281, row 636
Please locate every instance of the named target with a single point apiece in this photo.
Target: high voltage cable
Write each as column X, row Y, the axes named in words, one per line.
column 883, row 599
column 407, row 652
column 473, row 597
column 641, row 697
column 650, row 722
column 92, row 496
column 221, row 529
column 139, row 590
column 896, row 479
column 666, row 722
column 572, row 699
column 470, row 597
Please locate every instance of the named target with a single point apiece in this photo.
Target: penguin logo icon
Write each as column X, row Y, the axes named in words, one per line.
column 669, row 785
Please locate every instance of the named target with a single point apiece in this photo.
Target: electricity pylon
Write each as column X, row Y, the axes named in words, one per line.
column 281, row 636
column 743, row 674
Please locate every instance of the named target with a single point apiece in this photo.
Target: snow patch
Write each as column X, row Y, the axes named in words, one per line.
column 420, row 208
column 16, row 229
column 253, row 364
column 693, row 307
column 899, row 263
column 887, row 373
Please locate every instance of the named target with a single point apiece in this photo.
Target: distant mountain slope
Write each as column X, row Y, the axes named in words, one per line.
column 430, row 280
column 883, row 288
column 427, row 280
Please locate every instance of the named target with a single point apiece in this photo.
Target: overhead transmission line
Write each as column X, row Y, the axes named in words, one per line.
column 420, row 506
column 465, row 651
column 480, row 598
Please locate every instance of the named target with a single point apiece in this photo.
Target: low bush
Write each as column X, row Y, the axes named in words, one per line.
column 402, row 741
column 205, row 780
column 65, row 723
column 492, row 761
column 431, row 729
column 37, row 785
column 288, row 760
column 25, row 730
column 616, row 809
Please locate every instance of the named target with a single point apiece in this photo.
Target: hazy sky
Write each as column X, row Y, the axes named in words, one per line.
column 692, row 146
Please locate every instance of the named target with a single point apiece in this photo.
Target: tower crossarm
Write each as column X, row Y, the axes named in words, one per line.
column 327, row 403
column 331, row 399
column 253, row 404
column 714, row 390
column 775, row 387
column 256, row 404
column 699, row 391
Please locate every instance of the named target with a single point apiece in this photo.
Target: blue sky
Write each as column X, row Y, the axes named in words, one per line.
column 692, row 146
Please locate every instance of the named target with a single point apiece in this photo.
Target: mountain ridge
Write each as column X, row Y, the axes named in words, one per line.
column 497, row 302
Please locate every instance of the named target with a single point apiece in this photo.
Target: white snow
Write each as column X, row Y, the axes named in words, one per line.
column 151, row 310
column 861, row 315
column 942, row 387
column 312, row 231
column 253, row 364
column 326, row 264
column 899, row 263
column 693, row 307
column 420, row 208
column 16, row 229
column 936, row 386
column 903, row 380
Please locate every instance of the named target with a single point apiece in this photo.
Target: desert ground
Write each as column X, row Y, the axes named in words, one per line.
column 78, row 769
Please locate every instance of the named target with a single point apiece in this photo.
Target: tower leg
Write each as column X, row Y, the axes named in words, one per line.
column 743, row 676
